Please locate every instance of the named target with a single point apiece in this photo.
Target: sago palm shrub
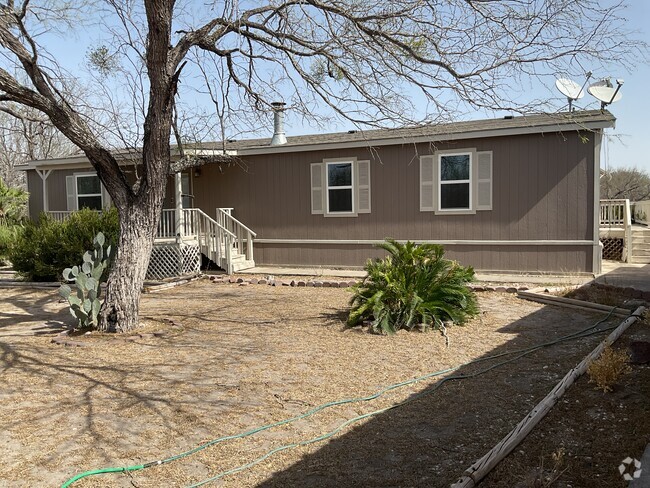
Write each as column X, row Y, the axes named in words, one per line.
column 413, row 286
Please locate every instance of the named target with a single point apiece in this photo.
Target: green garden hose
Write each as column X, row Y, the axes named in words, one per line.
column 519, row 354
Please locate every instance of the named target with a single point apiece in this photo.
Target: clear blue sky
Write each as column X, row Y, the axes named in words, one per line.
column 624, row 146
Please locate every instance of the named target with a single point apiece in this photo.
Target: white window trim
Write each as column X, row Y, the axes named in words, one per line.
column 472, row 181
column 451, row 182
column 352, row 187
column 76, row 188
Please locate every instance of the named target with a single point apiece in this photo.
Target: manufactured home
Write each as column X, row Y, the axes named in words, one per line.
column 514, row 194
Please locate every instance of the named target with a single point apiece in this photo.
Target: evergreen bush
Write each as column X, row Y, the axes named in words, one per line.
column 46, row 247
column 8, row 235
column 413, row 286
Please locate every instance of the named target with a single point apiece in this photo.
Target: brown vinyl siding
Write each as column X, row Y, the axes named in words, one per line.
column 56, row 192
column 566, row 259
column 542, row 190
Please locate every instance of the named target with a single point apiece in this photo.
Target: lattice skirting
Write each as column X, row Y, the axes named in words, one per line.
column 612, row 248
column 170, row 260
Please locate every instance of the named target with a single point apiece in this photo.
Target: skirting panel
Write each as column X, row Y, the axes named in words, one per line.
column 170, row 260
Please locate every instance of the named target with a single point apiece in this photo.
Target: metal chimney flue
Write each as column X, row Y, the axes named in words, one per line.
column 279, row 137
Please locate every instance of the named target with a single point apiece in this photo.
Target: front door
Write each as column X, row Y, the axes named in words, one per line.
column 186, row 189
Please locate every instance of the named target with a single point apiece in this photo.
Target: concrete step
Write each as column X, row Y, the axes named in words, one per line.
column 640, row 260
column 242, row 265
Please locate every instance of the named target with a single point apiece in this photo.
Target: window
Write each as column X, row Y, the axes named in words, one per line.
column 455, row 186
column 339, row 188
column 456, row 182
column 89, row 192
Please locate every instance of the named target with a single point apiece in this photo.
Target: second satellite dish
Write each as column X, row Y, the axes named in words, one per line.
column 606, row 92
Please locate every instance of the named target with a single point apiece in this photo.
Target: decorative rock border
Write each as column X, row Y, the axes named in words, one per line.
column 234, row 280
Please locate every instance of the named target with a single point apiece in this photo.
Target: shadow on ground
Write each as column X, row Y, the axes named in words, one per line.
column 432, row 439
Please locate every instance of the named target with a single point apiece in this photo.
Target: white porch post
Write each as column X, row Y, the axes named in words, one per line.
column 44, row 174
column 597, row 251
column 178, row 200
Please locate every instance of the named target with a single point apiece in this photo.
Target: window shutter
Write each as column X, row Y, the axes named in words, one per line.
column 484, row 182
column 71, row 192
column 427, row 184
column 363, row 186
column 317, row 188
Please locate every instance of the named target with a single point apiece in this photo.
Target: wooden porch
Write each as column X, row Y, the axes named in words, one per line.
column 622, row 220
column 184, row 234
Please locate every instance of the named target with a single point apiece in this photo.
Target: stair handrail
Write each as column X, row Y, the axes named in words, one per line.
column 628, row 232
column 235, row 221
column 239, row 229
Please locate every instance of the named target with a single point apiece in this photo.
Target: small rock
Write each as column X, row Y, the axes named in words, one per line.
column 318, row 284
column 285, row 283
column 232, row 279
column 240, row 280
column 490, row 288
column 293, row 283
column 500, row 289
column 262, row 281
column 479, row 288
column 243, row 284
column 326, row 284
column 309, row 283
column 352, row 283
column 343, row 284
column 254, row 281
column 300, row 283
column 511, row 290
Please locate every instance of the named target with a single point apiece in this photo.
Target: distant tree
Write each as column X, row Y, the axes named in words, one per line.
column 630, row 183
column 13, row 203
column 26, row 135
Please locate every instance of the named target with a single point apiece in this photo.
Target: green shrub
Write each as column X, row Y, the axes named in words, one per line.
column 8, row 235
column 45, row 248
column 13, row 204
column 413, row 286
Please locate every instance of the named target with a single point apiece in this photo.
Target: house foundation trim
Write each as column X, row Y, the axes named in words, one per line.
column 465, row 242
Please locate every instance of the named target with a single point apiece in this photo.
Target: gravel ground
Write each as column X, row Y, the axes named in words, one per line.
column 217, row 360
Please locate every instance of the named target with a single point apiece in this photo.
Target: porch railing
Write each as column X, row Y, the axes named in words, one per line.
column 616, row 213
column 642, row 212
column 243, row 235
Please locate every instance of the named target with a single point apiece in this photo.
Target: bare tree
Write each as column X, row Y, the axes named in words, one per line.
column 357, row 58
column 630, row 183
column 26, row 135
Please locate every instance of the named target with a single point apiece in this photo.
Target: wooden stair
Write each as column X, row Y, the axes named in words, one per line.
column 640, row 245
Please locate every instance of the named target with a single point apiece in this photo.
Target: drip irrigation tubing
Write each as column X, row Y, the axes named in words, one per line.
column 519, row 353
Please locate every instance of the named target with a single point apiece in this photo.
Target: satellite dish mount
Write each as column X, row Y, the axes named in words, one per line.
column 606, row 92
column 571, row 90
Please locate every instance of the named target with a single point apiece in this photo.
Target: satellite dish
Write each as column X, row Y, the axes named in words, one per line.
column 570, row 89
column 606, row 92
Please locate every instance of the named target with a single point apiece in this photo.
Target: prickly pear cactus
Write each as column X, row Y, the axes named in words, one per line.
column 85, row 299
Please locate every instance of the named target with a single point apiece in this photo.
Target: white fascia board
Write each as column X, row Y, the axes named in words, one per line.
column 78, row 161
column 555, row 128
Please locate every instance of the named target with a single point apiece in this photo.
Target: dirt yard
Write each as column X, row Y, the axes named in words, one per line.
column 219, row 360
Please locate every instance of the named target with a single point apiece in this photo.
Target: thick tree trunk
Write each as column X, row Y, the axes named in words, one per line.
column 119, row 312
